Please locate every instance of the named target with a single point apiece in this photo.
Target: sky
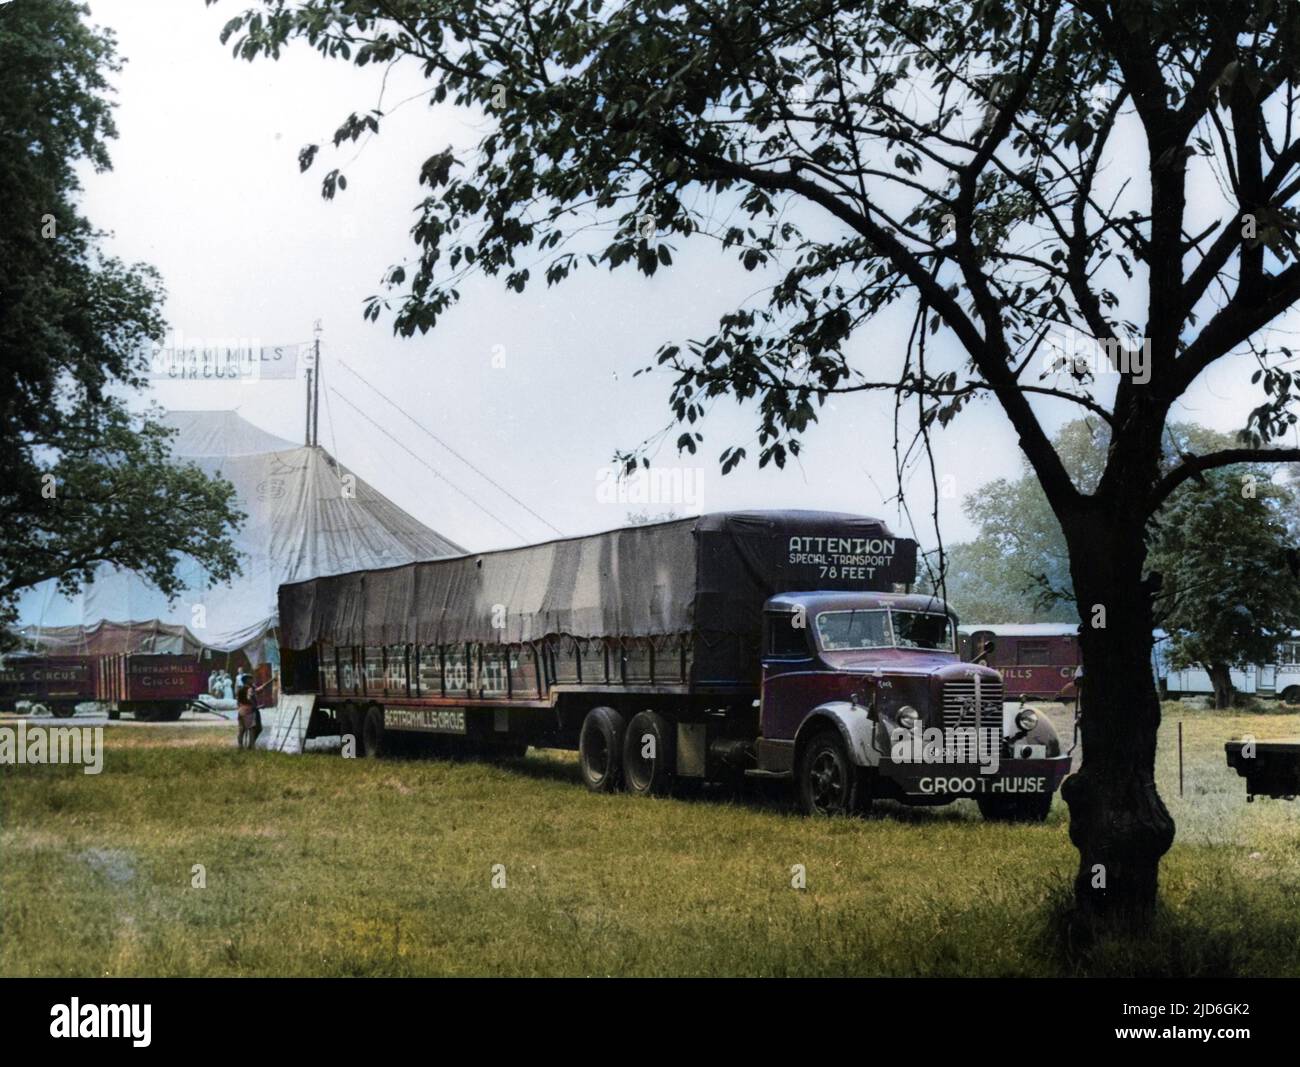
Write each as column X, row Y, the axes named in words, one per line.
column 535, row 390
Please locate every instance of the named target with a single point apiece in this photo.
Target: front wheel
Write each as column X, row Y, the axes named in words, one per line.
column 829, row 783
column 1015, row 809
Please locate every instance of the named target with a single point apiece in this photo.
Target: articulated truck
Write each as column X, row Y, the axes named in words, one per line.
column 780, row 645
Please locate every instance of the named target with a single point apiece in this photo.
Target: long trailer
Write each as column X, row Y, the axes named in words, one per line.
column 154, row 687
column 779, row 645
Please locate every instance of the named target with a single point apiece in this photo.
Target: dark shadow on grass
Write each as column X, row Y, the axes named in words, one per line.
column 1172, row 947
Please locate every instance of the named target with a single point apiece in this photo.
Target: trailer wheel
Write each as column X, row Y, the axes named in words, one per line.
column 828, row 781
column 600, row 750
column 1015, row 809
column 1291, row 694
column 114, row 715
column 63, row 711
column 373, row 734
column 649, row 775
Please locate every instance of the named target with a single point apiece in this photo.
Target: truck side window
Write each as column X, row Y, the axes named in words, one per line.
column 784, row 638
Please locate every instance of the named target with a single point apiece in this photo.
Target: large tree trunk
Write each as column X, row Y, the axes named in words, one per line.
column 1221, row 680
column 1117, row 820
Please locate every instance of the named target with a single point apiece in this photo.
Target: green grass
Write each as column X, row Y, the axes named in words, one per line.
column 317, row 865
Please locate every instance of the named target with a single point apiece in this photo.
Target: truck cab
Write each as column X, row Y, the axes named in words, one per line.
column 865, row 696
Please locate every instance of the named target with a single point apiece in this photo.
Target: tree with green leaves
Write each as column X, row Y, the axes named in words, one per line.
column 1224, row 557
column 85, row 480
column 1018, row 176
column 1231, row 578
column 1019, row 562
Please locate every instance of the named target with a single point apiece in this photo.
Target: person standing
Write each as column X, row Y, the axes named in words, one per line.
column 250, row 714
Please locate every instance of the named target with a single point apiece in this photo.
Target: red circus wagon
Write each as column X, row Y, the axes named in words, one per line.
column 1037, row 660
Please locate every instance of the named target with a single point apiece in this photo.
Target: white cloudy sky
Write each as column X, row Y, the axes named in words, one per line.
column 205, row 186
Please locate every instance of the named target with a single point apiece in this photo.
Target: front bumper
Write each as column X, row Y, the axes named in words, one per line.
column 1013, row 777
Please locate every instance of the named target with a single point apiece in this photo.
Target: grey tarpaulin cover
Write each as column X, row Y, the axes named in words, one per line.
column 112, row 638
column 709, row 574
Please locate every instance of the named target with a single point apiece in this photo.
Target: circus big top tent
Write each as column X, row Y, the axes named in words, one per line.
column 307, row 516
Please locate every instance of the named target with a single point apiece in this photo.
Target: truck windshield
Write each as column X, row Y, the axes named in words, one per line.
column 845, row 631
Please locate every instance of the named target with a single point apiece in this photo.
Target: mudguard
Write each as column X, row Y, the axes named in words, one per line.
column 854, row 724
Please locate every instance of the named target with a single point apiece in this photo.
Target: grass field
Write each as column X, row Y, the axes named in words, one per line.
column 316, row 865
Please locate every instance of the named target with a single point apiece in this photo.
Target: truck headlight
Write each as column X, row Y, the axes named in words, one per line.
column 1026, row 720
column 908, row 717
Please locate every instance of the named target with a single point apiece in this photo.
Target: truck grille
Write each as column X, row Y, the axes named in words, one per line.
column 959, row 704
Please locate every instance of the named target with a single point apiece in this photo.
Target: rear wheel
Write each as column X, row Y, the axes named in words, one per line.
column 63, row 711
column 374, row 736
column 1291, row 694
column 649, row 754
column 828, row 781
column 600, row 750
column 1015, row 809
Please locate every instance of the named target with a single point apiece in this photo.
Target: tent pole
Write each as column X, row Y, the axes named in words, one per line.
column 307, row 433
column 315, row 395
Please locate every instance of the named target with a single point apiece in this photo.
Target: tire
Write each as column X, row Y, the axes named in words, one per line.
column 649, row 775
column 1291, row 694
column 63, row 711
column 114, row 715
column 600, row 750
column 1015, row 809
column 168, row 714
column 827, row 780
column 374, row 737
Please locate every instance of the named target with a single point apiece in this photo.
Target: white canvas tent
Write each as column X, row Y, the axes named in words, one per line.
column 307, row 516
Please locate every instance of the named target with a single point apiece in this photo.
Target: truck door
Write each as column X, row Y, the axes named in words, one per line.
column 787, row 660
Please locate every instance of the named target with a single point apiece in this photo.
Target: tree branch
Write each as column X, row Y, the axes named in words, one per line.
column 1226, row 458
